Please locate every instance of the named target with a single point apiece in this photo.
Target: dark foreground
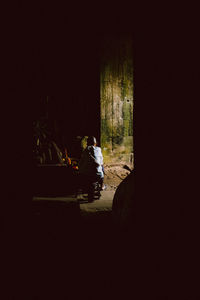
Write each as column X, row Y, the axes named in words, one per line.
column 64, row 254
column 74, row 255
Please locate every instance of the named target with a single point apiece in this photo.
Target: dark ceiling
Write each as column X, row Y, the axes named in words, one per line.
column 69, row 73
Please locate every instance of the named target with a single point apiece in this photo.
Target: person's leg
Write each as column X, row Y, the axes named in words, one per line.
column 83, row 183
column 91, row 188
column 101, row 182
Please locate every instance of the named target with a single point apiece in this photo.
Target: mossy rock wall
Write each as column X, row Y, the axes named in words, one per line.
column 116, row 94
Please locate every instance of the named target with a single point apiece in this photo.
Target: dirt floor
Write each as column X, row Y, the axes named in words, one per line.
column 114, row 174
column 78, row 239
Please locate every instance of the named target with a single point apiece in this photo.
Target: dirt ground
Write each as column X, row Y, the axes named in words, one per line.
column 114, row 174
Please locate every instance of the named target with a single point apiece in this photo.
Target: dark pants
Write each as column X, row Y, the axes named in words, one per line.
column 88, row 183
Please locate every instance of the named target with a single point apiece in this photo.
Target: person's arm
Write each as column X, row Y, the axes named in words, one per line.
column 93, row 158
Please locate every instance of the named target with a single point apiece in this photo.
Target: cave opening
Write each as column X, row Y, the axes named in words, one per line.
column 98, row 102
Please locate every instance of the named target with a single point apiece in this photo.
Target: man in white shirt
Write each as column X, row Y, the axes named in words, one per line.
column 91, row 165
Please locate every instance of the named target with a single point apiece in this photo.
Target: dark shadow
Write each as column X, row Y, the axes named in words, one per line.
column 82, row 201
column 85, row 201
column 54, row 219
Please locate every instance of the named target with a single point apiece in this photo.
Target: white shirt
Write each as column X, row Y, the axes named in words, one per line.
column 90, row 156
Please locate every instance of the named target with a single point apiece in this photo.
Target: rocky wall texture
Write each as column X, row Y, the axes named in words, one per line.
column 116, row 94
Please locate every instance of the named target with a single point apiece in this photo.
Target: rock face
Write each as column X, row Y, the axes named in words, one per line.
column 123, row 203
column 116, row 94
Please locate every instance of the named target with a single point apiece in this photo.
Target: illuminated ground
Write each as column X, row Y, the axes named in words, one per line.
column 114, row 174
column 103, row 204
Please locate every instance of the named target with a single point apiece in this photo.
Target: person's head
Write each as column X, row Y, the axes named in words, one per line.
column 91, row 141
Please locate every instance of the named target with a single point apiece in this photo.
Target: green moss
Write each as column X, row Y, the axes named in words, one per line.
column 117, row 85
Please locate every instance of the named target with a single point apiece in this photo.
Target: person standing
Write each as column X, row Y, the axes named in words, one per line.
column 91, row 166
